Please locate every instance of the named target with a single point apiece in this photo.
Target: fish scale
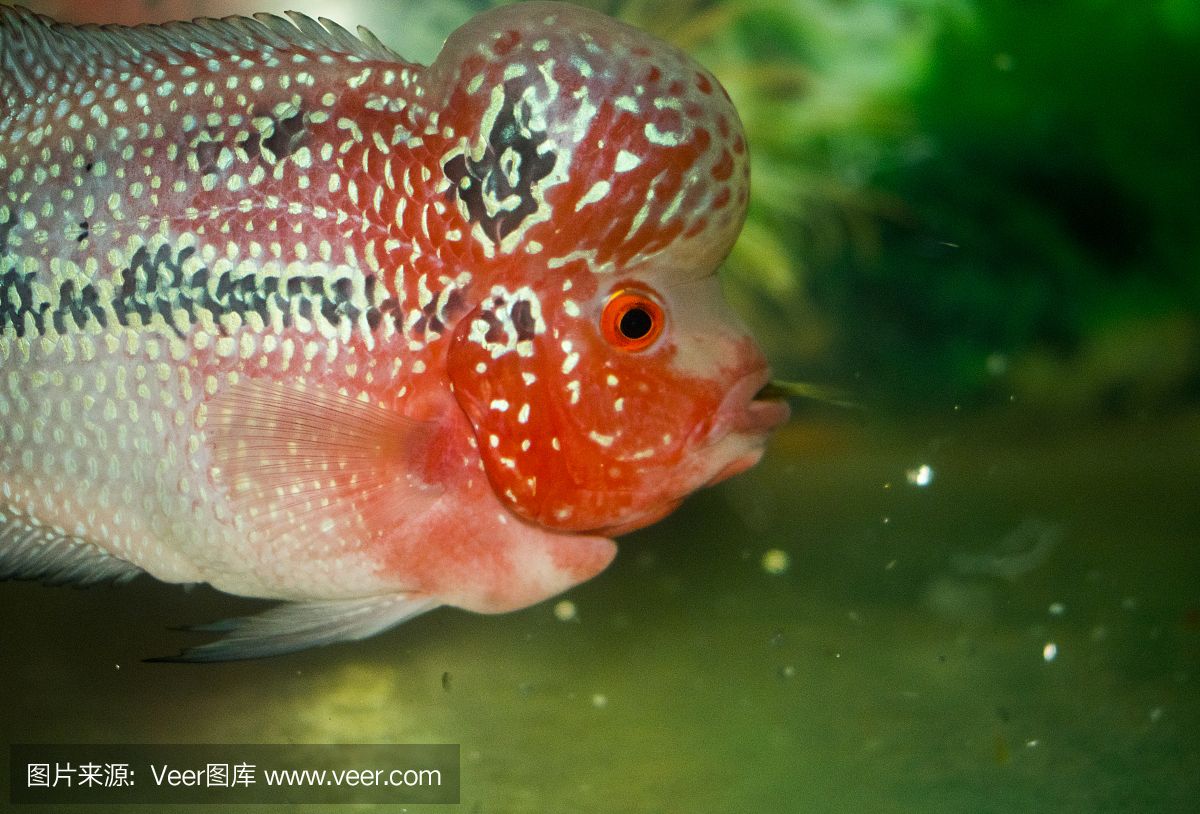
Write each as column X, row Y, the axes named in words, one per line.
column 284, row 313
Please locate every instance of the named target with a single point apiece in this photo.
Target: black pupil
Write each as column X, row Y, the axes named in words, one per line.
column 636, row 323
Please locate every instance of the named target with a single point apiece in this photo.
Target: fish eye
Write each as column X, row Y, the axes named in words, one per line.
column 632, row 320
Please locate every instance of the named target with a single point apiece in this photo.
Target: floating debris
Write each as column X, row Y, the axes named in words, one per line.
column 920, row 476
column 565, row 611
column 776, row 561
column 1021, row 551
column 997, row 364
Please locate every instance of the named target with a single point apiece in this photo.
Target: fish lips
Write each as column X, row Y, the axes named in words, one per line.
column 743, row 412
column 743, row 421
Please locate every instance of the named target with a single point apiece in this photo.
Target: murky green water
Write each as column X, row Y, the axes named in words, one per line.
column 870, row 675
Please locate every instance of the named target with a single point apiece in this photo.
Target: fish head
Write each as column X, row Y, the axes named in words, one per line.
column 606, row 179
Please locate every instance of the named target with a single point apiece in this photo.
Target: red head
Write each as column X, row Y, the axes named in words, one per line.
column 604, row 176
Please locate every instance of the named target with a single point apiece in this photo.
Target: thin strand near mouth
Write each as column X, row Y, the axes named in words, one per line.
column 778, row 389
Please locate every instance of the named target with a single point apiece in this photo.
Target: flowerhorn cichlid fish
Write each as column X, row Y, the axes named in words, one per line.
column 286, row 314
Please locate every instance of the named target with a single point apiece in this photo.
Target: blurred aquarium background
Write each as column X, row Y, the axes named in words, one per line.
column 978, row 591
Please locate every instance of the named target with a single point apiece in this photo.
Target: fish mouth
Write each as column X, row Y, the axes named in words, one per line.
column 755, row 406
column 772, row 391
column 749, row 410
column 746, row 415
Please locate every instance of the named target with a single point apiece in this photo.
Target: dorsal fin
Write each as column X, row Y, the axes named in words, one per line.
column 29, row 550
column 30, row 42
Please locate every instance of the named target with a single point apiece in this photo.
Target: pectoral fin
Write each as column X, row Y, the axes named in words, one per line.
column 299, row 625
column 303, row 462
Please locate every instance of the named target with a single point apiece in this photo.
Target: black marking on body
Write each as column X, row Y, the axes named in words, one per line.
column 488, row 311
column 17, row 302
column 206, row 154
column 157, row 283
column 79, row 306
column 495, row 330
column 279, row 140
column 288, row 136
column 502, row 181
column 433, row 320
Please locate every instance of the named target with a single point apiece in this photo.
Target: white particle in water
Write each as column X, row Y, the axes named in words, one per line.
column 776, row 561
column 921, row 476
column 565, row 611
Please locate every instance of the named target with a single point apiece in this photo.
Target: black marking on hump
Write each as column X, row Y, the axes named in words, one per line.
column 502, row 180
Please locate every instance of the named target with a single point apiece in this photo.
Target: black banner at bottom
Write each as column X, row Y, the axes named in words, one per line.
column 162, row 774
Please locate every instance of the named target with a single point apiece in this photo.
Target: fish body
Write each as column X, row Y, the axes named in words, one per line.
column 286, row 314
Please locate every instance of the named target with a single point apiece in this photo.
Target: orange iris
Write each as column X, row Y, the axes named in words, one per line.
column 632, row 320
